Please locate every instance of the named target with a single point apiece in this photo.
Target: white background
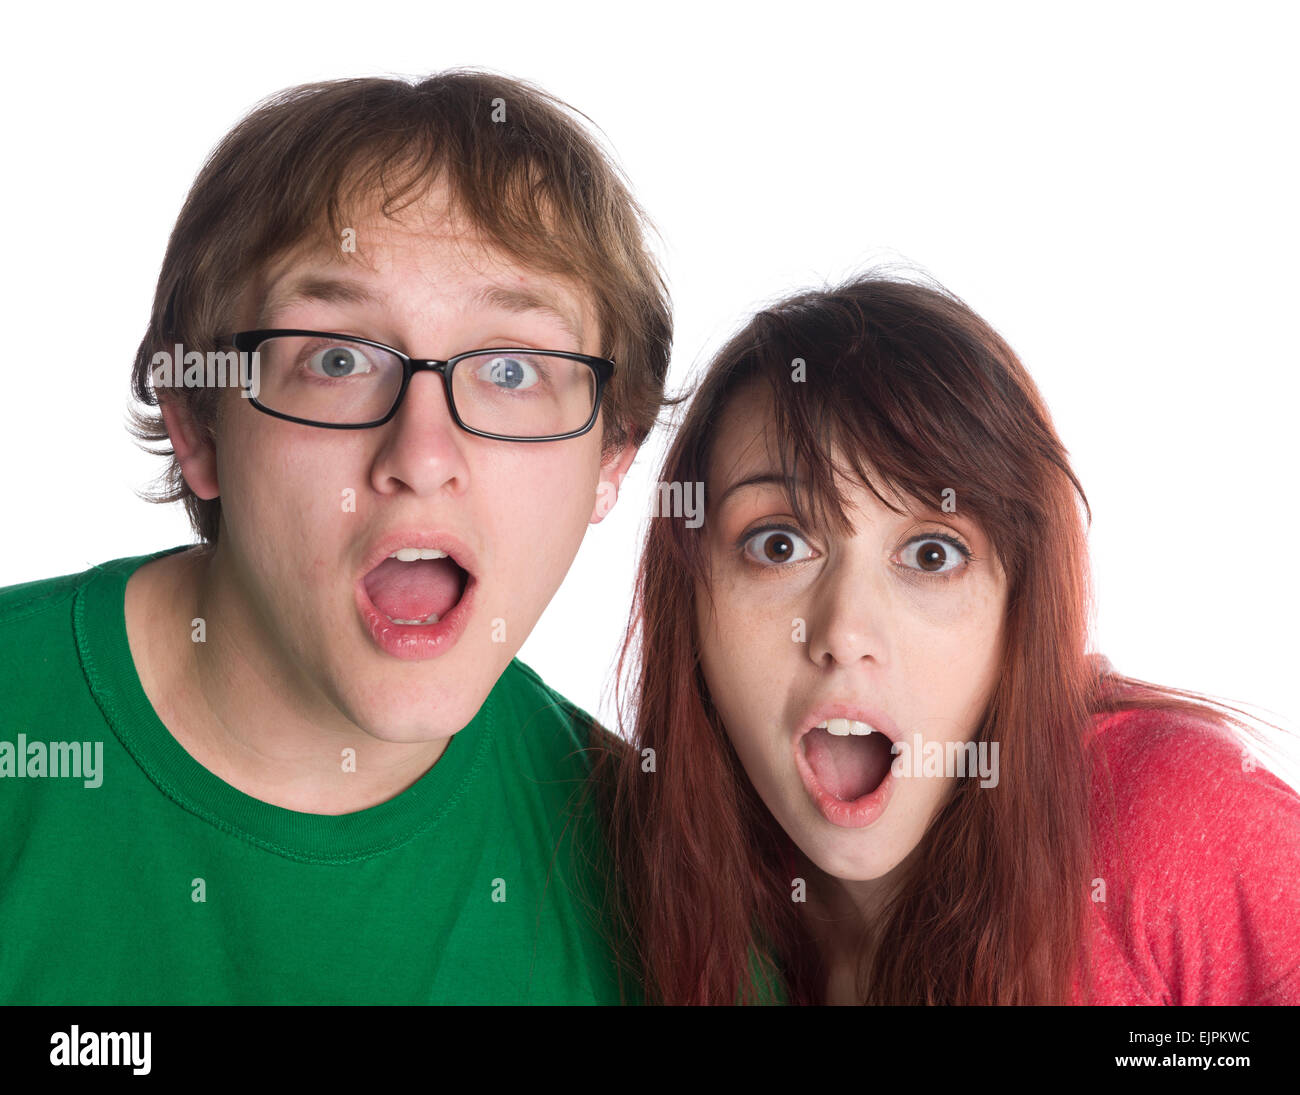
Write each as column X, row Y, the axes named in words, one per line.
column 1112, row 186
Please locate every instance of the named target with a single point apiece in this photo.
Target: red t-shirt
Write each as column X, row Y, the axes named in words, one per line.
column 1198, row 863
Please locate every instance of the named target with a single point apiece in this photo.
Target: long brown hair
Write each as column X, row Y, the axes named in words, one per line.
column 993, row 908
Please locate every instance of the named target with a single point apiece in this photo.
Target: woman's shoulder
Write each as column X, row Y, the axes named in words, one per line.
column 1198, row 844
column 1168, row 767
column 1168, row 748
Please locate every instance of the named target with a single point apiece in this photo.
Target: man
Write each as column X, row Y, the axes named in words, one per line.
column 324, row 776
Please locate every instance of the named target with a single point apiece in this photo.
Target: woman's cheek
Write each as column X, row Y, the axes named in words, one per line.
column 752, row 661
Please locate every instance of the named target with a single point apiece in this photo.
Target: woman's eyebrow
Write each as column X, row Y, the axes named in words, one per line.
column 936, row 515
column 759, row 478
column 923, row 513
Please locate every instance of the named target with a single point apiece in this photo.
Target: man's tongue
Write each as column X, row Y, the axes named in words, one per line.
column 848, row 767
column 416, row 590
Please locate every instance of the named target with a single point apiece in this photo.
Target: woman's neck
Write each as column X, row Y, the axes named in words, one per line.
column 839, row 915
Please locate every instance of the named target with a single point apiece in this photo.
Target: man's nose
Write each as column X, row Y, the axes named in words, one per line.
column 422, row 447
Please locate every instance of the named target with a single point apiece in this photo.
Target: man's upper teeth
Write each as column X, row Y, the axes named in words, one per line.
column 410, row 555
column 842, row 728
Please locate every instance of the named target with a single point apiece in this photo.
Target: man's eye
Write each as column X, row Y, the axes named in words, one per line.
column 934, row 555
column 339, row 362
column 776, row 545
column 510, row 372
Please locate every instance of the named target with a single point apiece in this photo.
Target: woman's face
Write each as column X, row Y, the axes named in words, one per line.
column 895, row 627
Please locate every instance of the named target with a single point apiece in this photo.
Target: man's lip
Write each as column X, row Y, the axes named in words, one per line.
column 847, row 709
column 452, row 544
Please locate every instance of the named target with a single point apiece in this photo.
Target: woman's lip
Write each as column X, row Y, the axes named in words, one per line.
column 862, row 811
column 857, row 814
column 876, row 719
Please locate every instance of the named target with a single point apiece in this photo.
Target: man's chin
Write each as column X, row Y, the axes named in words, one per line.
column 409, row 715
column 411, row 735
column 412, row 726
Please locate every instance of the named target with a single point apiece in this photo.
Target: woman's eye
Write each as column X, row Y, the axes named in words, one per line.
column 509, row 372
column 934, row 555
column 773, row 546
column 340, row 362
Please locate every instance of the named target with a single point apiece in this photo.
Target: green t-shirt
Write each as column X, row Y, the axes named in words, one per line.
column 131, row 874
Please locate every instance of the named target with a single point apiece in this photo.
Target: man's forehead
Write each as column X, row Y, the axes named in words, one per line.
column 488, row 281
column 311, row 283
column 433, row 230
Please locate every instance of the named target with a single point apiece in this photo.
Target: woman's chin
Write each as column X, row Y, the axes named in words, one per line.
column 851, row 857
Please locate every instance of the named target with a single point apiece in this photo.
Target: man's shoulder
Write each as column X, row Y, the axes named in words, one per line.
column 523, row 678
column 23, row 600
column 36, row 622
column 26, row 599
column 551, row 738
column 530, row 696
column 43, row 622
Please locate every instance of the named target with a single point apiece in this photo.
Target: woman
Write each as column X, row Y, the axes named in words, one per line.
column 872, row 759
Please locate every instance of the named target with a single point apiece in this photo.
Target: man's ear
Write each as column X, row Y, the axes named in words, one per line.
column 612, row 472
column 195, row 453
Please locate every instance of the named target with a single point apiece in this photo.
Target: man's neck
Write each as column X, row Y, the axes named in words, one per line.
column 240, row 708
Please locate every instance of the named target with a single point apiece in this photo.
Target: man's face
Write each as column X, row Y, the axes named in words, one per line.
column 308, row 514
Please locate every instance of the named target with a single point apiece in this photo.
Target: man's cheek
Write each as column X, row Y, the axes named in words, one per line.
column 299, row 494
column 553, row 517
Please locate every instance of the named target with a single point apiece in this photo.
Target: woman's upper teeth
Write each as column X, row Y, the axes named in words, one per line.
column 844, row 727
column 410, row 554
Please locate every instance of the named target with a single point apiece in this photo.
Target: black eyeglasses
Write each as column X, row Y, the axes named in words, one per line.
column 342, row 382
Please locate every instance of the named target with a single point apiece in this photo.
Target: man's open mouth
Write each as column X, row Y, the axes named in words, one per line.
column 849, row 758
column 416, row 586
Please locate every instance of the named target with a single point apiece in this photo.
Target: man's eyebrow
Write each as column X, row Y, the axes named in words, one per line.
column 313, row 287
column 521, row 301
column 329, row 290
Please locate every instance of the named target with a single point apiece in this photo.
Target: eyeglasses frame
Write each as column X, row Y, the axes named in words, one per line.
column 249, row 341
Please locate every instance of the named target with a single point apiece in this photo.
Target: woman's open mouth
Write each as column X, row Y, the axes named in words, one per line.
column 415, row 602
column 845, row 765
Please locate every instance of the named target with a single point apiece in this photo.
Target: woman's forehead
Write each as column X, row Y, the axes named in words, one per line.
column 747, row 453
